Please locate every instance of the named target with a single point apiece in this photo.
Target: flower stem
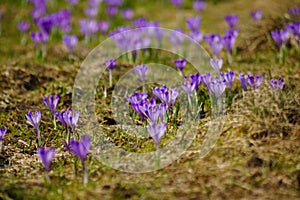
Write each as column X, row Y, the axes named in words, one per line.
column 110, row 78
column 157, row 161
column 85, row 173
column 38, row 137
column 47, row 177
column 0, row 146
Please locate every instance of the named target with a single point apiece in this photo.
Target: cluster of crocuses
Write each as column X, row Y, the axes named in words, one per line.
column 69, row 119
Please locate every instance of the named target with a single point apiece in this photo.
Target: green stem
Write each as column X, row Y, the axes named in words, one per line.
column 85, row 173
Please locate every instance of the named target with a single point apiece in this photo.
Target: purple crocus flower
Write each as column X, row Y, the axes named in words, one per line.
column 199, row 6
column 166, row 95
column 45, row 24
column 228, row 77
column 39, row 37
column 193, row 23
column 141, row 71
column 152, row 111
column 91, row 12
column 95, row 3
column 71, row 119
column 176, row 3
column 88, row 28
column 196, row 78
column 103, row 26
column 231, row 20
column 215, row 42
column 46, row 155
column 244, row 81
column 294, row 28
column 2, row 134
column 206, row 79
column 277, row 84
column 62, row 117
column 255, row 80
column 80, row 149
column 73, row 2
column 140, row 22
column 111, row 11
column 70, row 41
column 256, row 15
column 228, row 42
column 197, row 36
column 217, row 87
column 116, row 3
column 34, row 118
column 127, row 14
column 156, row 131
column 189, row 87
column 294, row 11
column 280, row 36
column 110, row 63
column 176, row 37
column 216, row 64
column 136, row 100
column 23, row 26
column 180, row 63
column 52, row 102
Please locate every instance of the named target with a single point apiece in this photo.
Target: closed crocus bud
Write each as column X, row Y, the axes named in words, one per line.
column 141, row 71
column 199, row 6
column 193, row 23
column 180, row 63
column 156, row 131
column 256, row 15
column 46, row 155
column 231, row 20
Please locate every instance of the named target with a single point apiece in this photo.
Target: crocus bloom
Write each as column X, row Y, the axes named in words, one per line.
column 294, row 11
column 231, row 20
column 52, row 102
column 34, row 118
column 166, row 95
column 127, row 14
column 216, row 64
column 176, row 37
column 45, row 24
column 176, row 3
column 217, row 87
column 70, row 41
column 193, row 23
column 152, row 111
column 228, row 77
column 215, row 42
column 156, row 131
column 180, row 63
column 23, row 26
column 294, row 28
column 137, row 99
column 255, row 81
column 2, row 133
column 196, row 35
column 72, row 2
column 46, row 155
column 103, row 26
column 277, row 84
column 71, row 118
column 256, row 15
column 95, row 3
column 116, row 3
column 228, row 42
column 189, row 86
column 39, row 37
column 141, row 71
column 280, row 36
column 110, row 63
column 111, row 10
column 91, row 12
column 80, row 149
column 243, row 81
column 206, row 79
column 196, row 78
column 199, row 6
column 62, row 117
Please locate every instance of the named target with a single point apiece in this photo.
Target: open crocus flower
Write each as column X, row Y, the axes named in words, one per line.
column 256, row 15
column 166, row 95
column 280, row 36
column 189, row 86
column 46, row 155
column 216, row 64
column 141, row 71
column 277, row 85
column 34, row 118
column 152, row 111
column 255, row 80
column 206, row 79
column 70, row 41
column 231, row 20
column 80, row 149
column 199, row 6
column 294, row 11
column 228, row 77
column 217, row 87
column 71, row 119
column 215, row 43
column 156, row 131
column 180, row 64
